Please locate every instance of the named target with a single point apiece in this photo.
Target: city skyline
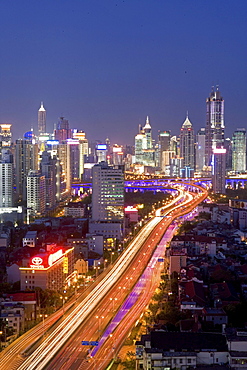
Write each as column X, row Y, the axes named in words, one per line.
column 105, row 67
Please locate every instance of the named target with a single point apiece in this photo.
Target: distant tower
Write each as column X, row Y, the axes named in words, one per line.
column 41, row 119
column 35, row 193
column 187, row 144
column 214, row 125
column 6, row 179
column 239, row 150
column 200, row 149
column 5, row 135
column 144, row 152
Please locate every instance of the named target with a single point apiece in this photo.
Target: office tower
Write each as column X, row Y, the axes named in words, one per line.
column 74, row 158
column 174, row 145
column 200, row 149
column 63, row 153
column 48, row 168
column 35, row 194
column 107, row 201
column 62, row 132
column 228, row 147
column 117, row 155
column 219, row 175
column 187, row 144
column 101, row 152
column 5, row 135
column 239, row 150
column 108, row 193
column 26, row 159
column 6, row 179
column 144, row 152
column 83, row 150
column 41, row 119
column 139, row 139
column 167, row 156
column 163, row 144
column 214, row 125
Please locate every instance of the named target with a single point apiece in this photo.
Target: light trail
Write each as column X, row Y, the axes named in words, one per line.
column 43, row 354
column 56, row 340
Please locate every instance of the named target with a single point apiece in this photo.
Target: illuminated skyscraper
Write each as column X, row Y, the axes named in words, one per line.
column 26, row 159
column 200, row 149
column 163, row 145
column 6, row 179
column 144, row 152
column 107, row 201
column 35, row 193
column 239, row 150
column 5, row 135
column 187, row 144
column 214, row 125
column 41, row 119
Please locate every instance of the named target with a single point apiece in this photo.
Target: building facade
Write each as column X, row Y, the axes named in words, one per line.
column 187, row 145
column 239, row 150
column 41, row 119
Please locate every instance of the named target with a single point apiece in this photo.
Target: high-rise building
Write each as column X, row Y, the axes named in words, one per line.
column 26, row 159
column 35, row 193
column 144, row 152
column 6, row 179
column 239, row 150
column 62, row 132
column 163, row 144
column 228, row 147
column 187, row 144
column 219, row 175
column 107, row 201
column 108, row 193
column 214, row 125
column 48, row 168
column 41, row 119
column 117, row 155
column 200, row 149
column 5, row 135
column 83, row 150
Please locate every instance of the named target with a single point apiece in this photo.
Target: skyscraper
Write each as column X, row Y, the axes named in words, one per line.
column 187, row 144
column 5, row 135
column 239, row 150
column 107, row 201
column 200, row 149
column 48, row 168
column 6, row 179
column 144, row 152
column 26, row 159
column 214, row 125
column 108, row 193
column 163, row 144
column 35, row 193
column 41, row 119
column 62, row 132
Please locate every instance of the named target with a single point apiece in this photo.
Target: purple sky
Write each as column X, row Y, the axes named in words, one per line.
column 106, row 64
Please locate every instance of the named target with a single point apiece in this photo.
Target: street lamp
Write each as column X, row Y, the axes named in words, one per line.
column 43, row 317
column 112, row 254
column 64, row 300
column 99, row 317
column 105, row 262
column 113, row 300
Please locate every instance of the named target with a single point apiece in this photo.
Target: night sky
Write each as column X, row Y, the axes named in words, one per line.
column 105, row 65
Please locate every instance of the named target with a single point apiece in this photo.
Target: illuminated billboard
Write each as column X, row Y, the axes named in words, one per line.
column 101, row 147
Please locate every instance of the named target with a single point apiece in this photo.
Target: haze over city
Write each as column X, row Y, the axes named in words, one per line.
column 106, row 65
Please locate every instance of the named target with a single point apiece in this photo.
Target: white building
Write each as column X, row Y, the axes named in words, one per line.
column 6, row 179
